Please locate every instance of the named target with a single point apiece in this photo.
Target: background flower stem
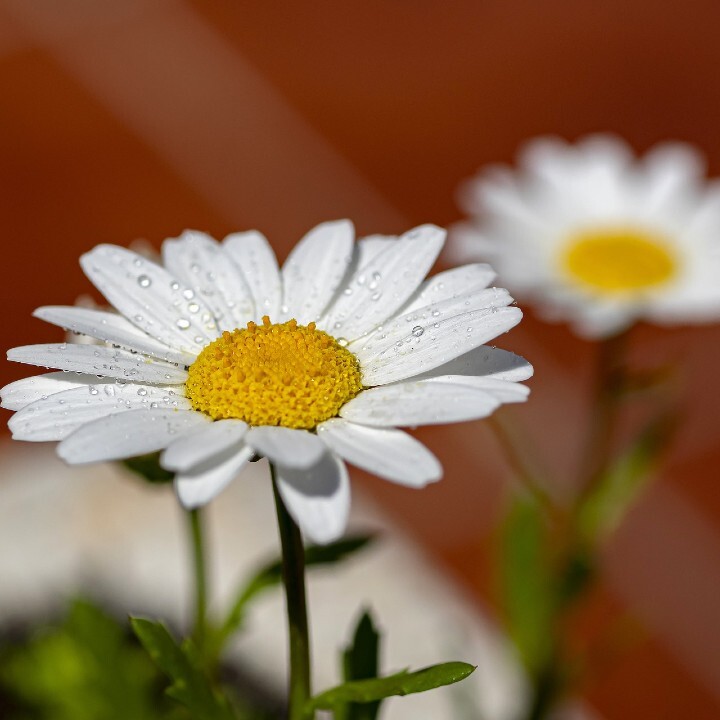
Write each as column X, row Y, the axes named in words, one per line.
column 200, row 578
column 293, row 570
column 610, row 378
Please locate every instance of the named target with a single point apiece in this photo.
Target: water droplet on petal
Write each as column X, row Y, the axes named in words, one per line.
column 144, row 281
column 418, row 330
column 183, row 323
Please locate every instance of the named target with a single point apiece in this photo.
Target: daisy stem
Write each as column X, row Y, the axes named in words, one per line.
column 293, row 571
column 200, row 578
column 609, row 385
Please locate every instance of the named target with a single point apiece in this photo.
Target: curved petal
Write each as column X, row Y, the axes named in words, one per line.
column 202, row 446
column 484, row 361
column 128, row 434
column 419, row 403
column 150, row 297
column 314, row 269
column 317, row 498
column 100, row 361
column 208, row 480
column 377, row 290
column 297, row 449
column 389, row 453
column 56, row 416
column 254, row 256
column 202, row 264
column 111, row 328
column 450, row 284
column 505, row 391
column 426, row 342
column 21, row 393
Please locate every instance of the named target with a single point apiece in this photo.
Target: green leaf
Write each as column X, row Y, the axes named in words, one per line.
column 89, row 668
column 270, row 575
column 402, row 683
column 361, row 662
column 604, row 508
column 148, row 467
column 527, row 583
column 189, row 686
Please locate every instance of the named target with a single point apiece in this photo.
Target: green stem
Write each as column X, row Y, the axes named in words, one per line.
column 200, row 578
column 609, row 385
column 526, row 471
column 293, row 569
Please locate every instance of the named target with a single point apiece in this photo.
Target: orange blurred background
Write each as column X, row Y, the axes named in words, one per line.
column 138, row 119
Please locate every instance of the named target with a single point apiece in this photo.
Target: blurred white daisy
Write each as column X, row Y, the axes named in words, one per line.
column 596, row 237
column 218, row 356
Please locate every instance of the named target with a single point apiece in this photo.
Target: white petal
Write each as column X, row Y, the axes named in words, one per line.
column 150, row 297
column 486, row 362
column 128, row 434
column 385, row 283
column 187, row 453
column 56, row 416
column 101, row 361
column 313, row 270
column 111, row 328
column 206, row 482
column 391, row 454
column 421, row 341
column 669, row 175
column 368, row 247
column 450, row 284
column 21, row 393
column 203, row 265
column 419, row 403
column 254, row 256
column 503, row 390
column 317, row 498
column 291, row 448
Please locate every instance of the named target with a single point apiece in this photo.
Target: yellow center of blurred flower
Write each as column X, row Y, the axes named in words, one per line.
column 619, row 261
column 274, row 374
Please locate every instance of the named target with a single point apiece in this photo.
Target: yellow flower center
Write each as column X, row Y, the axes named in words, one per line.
column 619, row 261
column 274, row 374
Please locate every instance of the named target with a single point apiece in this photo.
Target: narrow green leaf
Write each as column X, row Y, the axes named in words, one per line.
column 527, row 584
column 361, row 662
column 148, row 467
column 189, row 686
column 270, row 575
column 623, row 482
column 402, row 683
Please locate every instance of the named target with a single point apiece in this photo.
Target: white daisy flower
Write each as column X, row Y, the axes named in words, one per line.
column 598, row 238
column 217, row 356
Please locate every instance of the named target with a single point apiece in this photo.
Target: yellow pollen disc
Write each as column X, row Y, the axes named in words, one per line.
column 619, row 261
column 286, row 374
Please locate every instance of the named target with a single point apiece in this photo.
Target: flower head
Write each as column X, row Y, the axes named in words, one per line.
column 217, row 355
column 598, row 238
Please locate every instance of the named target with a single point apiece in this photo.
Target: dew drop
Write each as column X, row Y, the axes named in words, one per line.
column 376, row 296
column 144, row 281
column 347, row 291
column 193, row 307
column 188, row 294
column 142, row 392
column 93, row 390
column 183, row 323
column 174, row 285
column 418, row 330
column 342, row 342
